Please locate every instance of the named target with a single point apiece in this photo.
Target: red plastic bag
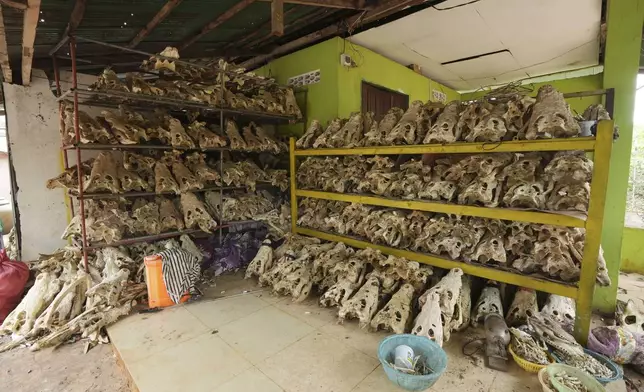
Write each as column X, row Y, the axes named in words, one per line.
column 13, row 277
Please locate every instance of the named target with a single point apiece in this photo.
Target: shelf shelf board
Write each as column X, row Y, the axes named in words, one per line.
column 99, row 146
column 163, row 236
column 546, row 218
column 536, row 283
column 578, row 143
column 89, row 196
column 111, row 98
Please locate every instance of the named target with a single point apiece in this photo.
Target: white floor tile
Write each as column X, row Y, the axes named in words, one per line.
column 251, row 380
column 140, row 335
column 354, row 336
column 377, row 381
column 263, row 333
column 200, row 364
column 318, row 363
column 309, row 311
column 222, row 311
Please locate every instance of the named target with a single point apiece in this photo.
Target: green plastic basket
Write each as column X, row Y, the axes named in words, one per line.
column 586, row 379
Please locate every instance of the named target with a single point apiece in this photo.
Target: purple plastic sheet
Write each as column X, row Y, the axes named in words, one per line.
column 619, row 345
column 236, row 251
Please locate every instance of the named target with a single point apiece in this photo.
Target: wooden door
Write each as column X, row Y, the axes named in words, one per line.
column 379, row 100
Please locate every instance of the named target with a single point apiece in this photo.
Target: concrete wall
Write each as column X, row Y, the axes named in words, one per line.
column 32, row 126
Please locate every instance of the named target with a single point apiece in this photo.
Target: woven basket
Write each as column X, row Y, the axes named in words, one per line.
column 527, row 365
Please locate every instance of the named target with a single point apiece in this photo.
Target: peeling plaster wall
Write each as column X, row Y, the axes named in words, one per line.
column 32, row 126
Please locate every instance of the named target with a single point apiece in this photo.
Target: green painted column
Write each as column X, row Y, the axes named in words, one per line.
column 621, row 64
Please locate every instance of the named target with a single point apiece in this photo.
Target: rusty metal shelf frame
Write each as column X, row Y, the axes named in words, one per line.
column 601, row 146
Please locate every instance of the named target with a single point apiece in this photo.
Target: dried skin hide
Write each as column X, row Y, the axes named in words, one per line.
column 104, row 176
column 444, row 130
column 363, row 305
column 195, row 213
column 252, row 142
column 266, row 142
column 206, row 138
column 551, row 117
column 170, row 218
column 164, row 182
column 108, row 80
column 405, row 130
column 395, row 315
column 124, row 131
column 68, row 179
column 523, row 306
column 312, row 133
column 236, row 141
column 143, row 166
column 186, row 180
column 289, row 102
column 488, row 302
column 146, row 217
column 131, row 181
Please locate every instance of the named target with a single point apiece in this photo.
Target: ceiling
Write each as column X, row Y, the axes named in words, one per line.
column 469, row 44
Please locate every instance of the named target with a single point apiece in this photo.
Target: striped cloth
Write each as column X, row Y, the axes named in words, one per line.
column 181, row 270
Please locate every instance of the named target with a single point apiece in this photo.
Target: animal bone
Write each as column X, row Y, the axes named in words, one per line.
column 448, row 290
column 206, row 138
column 395, row 315
column 523, row 306
column 130, row 181
column 551, row 117
column 561, row 309
column 104, row 176
column 428, row 321
column 490, row 128
column 444, row 130
column 178, row 135
column 195, row 213
column 488, row 302
column 378, row 132
column 170, row 219
column 526, row 195
column 463, row 308
column 236, row 141
column 405, row 130
column 350, row 135
column 262, row 261
column 325, row 138
column 146, row 217
column 185, row 179
column 164, row 182
column 196, row 163
column 527, row 348
column 313, row 131
column 569, row 167
column 566, row 197
column 629, row 317
column 124, row 131
column 363, row 305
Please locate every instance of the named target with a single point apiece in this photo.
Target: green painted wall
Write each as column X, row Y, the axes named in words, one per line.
column 322, row 103
column 582, row 83
column 374, row 68
column 632, row 250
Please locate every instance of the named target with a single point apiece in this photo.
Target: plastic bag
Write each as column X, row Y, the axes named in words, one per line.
column 619, row 344
column 13, row 277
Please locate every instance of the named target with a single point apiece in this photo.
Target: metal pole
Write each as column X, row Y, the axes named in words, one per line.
column 61, row 113
column 291, row 154
column 598, row 189
column 81, row 202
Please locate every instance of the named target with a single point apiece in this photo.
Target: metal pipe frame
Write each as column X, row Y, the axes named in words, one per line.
column 582, row 292
column 70, row 200
column 81, row 201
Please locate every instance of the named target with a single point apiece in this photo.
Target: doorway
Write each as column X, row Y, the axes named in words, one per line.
column 379, row 100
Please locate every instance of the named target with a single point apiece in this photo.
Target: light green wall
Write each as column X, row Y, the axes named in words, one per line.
column 339, row 92
column 376, row 69
column 633, row 250
column 322, row 103
column 572, row 85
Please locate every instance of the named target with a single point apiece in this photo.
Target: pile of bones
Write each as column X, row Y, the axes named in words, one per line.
column 215, row 84
column 402, row 296
column 515, row 117
column 529, row 248
column 171, row 173
column 66, row 302
column 125, row 126
column 557, row 182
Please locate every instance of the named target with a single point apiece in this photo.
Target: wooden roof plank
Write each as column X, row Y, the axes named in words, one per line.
column 349, row 4
column 14, row 4
column 4, row 55
column 74, row 21
column 234, row 10
column 158, row 18
column 30, row 22
column 277, row 18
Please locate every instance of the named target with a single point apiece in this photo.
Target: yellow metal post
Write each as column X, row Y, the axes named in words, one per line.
column 291, row 153
column 598, row 189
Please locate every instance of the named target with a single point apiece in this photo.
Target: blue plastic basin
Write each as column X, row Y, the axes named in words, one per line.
column 432, row 353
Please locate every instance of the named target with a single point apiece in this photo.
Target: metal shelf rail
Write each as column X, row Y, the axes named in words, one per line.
column 143, row 102
column 600, row 145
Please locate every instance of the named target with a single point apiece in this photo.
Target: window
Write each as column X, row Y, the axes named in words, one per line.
column 635, row 195
column 379, row 100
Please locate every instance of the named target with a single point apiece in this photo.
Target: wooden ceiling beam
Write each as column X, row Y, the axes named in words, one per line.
column 30, row 22
column 234, row 10
column 349, row 4
column 4, row 55
column 14, row 4
column 277, row 18
column 74, row 21
column 158, row 18
column 383, row 10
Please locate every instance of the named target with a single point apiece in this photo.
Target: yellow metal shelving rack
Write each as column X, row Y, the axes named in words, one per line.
column 600, row 146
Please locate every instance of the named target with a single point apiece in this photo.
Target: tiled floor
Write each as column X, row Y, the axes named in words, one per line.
column 255, row 342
